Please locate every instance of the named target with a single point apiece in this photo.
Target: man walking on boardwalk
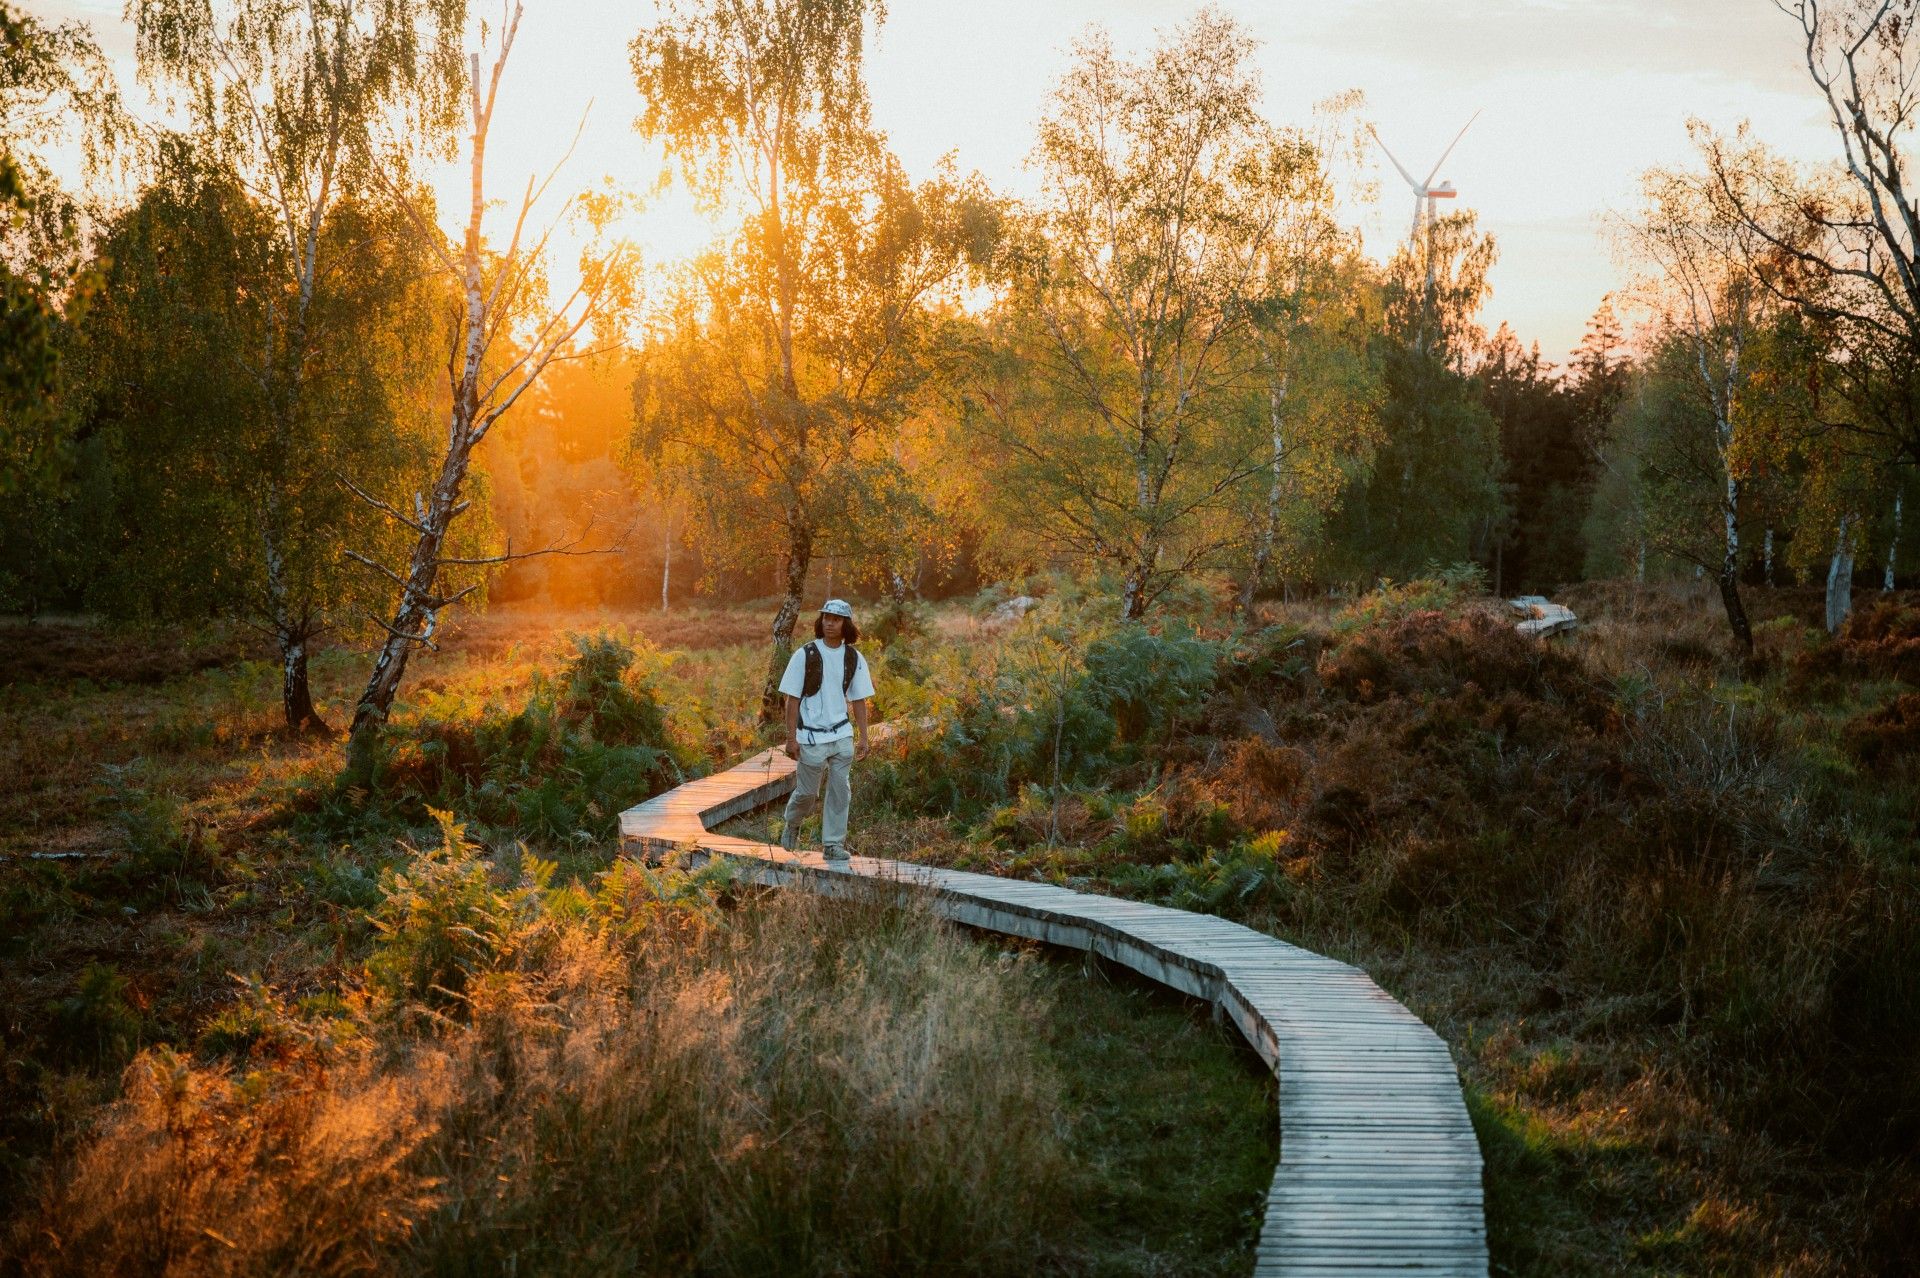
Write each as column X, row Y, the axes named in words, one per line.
column 827, row 689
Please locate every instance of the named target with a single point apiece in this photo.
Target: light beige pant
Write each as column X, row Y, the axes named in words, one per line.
column 835, row 760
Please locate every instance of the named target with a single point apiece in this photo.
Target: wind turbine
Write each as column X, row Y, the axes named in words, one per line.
column 1425, row 193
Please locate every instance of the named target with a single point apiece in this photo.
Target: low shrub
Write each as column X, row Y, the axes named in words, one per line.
column 588, row 743
column 1440, row 589
column 443, row 923
column 1882, row 639
column 1056, row 709
column 95, row 1025
column 1652, row 843
column 1884, row 738
column 1878, row 640
column 166, row 850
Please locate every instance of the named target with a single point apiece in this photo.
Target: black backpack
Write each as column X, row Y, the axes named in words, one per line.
column 810, row 681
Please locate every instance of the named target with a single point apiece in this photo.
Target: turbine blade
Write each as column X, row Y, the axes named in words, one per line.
column 1449, row 151
column 1396, row 164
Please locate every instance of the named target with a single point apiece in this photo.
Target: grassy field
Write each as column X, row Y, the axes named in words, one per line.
column 263, row 1015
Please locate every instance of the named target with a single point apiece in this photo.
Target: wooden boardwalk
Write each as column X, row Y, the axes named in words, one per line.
column 1379, row 1169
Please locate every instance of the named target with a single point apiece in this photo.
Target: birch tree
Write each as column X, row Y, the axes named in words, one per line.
column 505, row 337
column 1311, row 310
column 283, row 97
column 791, row 352
column 1113, row 404
column 1697, row 250
column 1842, row 243
column 55, row 88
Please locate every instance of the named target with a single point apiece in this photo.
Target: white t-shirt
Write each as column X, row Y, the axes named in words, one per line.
column 824, row 716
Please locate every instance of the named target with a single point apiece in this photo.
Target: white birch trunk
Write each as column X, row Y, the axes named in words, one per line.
column 1270, row 526
column 1840, row 577
column 1730, row 521
column 666, row 563
column 472, row 413
column 1893, row 546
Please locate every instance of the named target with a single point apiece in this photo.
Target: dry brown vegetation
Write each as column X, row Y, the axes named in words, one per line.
column 1664, row 903
column 811, row 1088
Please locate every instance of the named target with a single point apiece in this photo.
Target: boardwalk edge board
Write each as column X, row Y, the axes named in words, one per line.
column 1379, row 1168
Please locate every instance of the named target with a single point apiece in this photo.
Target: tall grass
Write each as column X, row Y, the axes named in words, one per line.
column 630, row 1079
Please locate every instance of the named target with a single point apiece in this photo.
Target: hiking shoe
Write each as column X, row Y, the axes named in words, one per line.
column 835, row 856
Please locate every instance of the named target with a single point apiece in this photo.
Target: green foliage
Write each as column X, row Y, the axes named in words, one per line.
column 444, row 924
column 260, row 1023
column 1241, row 880
column 95, row 1023
column 898, row 620
column 1434, row 491
column 792, row 354
column 587, row 744
column 1147, row 682
column 55, row 87
column 185, row 429
column 1440, row 590
column 1052, row 710
column 340, row 879
column 1118, row 442
column 168, row 851
column 1550, row 428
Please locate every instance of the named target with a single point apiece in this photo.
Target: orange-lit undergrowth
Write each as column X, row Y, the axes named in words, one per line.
column 553, row 1079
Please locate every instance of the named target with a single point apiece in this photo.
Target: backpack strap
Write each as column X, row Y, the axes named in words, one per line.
column 810, row 680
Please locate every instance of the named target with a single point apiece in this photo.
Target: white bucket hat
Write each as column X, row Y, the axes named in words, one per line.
column 837, row 608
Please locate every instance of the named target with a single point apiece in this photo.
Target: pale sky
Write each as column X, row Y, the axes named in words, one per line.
column 1577, row 97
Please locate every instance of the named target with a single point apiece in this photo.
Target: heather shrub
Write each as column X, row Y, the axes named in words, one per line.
column 1884, row 739
column 1440, row 588
column 1648, row 840
column 1880, row 639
